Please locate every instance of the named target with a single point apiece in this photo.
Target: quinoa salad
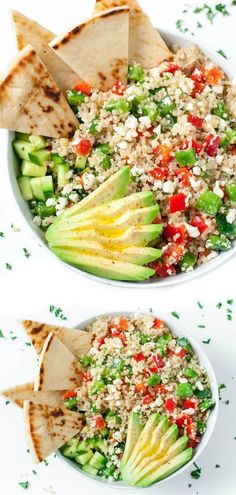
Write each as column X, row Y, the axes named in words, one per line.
column 136, row 364
column 175, row 127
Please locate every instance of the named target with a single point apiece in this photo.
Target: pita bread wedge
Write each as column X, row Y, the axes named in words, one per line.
column 48, row 427
column 58, row 368
column 98, row 48
column 77, row 341
column 146, row 46
column 20, row 393
column 30, row 100
column 30, row 32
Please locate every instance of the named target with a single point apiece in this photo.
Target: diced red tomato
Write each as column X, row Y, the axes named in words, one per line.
column 159, row 389
column 119, row 88
column 211, row 144
column 174, row 233
column 141, row 388
column 148, row 399
column 115, row 331
column 100, row 341
column 183, row 420
column 86, row 377
column 171, row 69
column 123, row 324
column 139, row 357
column 162, row 269
column 98, row 422
column 149, row 131
column 184, row 175
column 84, row 87
column 170, row 405
column 170, row 352
column 83, row 147
column 177, row 202
column 182, row 353
column 198, row 74
column 198, row 88
column 173, row 253
column 189, row 404
column 157, row 323
column 153, row 369
column 191, row 430
column 200, row 223
column 159, row 362
column 232, row 149
column 191, row 143
column 164, row 153
column 193, row 443
column 69, row 394
column 195, row 121
column 213, row 75
column 147, row 372
column 159, row 173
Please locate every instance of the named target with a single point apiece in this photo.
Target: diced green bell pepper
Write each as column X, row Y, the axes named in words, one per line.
column 97, row 387
column 80, row 162
column 201, row 427
column 224, row 227
column 220, row 110
column 113, row 416
column 86, row 360
column 120, row 105
column 190, row 373
column 166, row 106
column 93, row 126
column 144, row 338
column 153, row 380
column 162, row 343
column 218, row 243
column 71, row 403
column 184, row 390
column 231, row 192
column 106, row 162
column 230, row 138
column 189, row 260
column 75, row 98
column 209, row 203
column 206, row 404
column 103, row 148
column 135, row 73
column 202, row 394
column 183, row 342
column 149, row 109
column 186, row 158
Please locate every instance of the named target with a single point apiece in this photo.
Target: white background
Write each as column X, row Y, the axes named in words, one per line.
column 37, row 282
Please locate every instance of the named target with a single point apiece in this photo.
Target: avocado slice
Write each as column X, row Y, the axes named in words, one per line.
column 113, row 188
column 134, row 429
column 143, row 440
column 105, row 268
column 132, row 254
column 139, row 235
column 165, row 469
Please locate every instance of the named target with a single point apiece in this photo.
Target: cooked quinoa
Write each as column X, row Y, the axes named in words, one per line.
column 175, row 127
column 137, row 364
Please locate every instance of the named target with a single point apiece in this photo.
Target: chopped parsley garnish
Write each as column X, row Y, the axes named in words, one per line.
column 200, row 305
column 226, row 402
column 57, row 312
column 196, row 473
column 28, row 343
column 1, row 335
column 33, row 471
column 221, row 7
column 45, row 462
column 219, row 305
column 7, row 402
column 206, row 341
column 210, row 14
column 222, row 53
column 201, row 326
column 230, row 301
column 180, row 26
column 221, row 387
column 24, row 484
column 175, row 314
column 8, row 266
column 199, row 25
column 229, row 317
column 217, row 466
column 1, row 234
column 26, row 253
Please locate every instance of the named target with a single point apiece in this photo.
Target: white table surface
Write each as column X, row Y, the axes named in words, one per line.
column 35, row 283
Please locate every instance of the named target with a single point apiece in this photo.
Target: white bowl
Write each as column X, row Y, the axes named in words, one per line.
column 13, row 168
column 204, row 361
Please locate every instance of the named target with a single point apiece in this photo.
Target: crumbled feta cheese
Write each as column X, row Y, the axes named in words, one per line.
column 145, row 121
column 88, row 180
column 196, row 170
column 122, row 145
column 168, row 186
column 37, row 220
column 131, row 122
column 67, row 189
column 199, row 385
column 217, row 190
column 192, row 231
column 74, row 197
column 61, row 203
column 231, row 215
column 50, row 202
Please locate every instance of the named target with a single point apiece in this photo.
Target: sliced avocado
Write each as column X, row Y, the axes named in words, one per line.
column 143, row 439
column 166, row 469
column 136, row 255
column 103, row 267
column 133, row 236
column 134, row 429
column 113, row 188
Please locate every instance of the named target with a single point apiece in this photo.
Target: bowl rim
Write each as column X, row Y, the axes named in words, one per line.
column 37, row 233
column 204, row 360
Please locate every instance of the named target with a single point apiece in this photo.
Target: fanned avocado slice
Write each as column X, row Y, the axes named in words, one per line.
column 166, row 469
column 134, row 429
column 103, row 267
column 143, row 439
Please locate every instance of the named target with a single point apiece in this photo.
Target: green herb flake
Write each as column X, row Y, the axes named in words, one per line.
column 26, row 253
column 222, row 53
column 180, row 26
column 34, row 472
column 176, row 315
column 206, row 341
column 51, row 308
column 201, row 326
column 1, row 335
column 200, row 305
column 219, row 305
column 2, row 234
column 233, row 2
column 7, row 402
column 57, row 312
column 229, row 317
column 14, row 337
column 45, row 462
column 226, row 402
column 221, row 387
column 230, row 301
column 8, row 266
column 24, row 484
column 217, row 466
column 221, row 7
column 28, row 344
column 199, row 25
column 196, row 473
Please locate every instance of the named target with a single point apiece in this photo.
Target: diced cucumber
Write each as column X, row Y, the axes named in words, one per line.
column 62, row 170
column 82, row 447
column 39, row 142
column 104, row 432
column 102, row 445
column 84, row 458
column 70, row 450
column 39, row 157
column 98, row 460
column 57, row 159
column 47, row 184
column 80, row 162
column 36, row 186
column 22, row 136
column 22, row 149
column 25, row 188
column 47, row 211
column 109, row 471
column 32, row 170
column 90, row 469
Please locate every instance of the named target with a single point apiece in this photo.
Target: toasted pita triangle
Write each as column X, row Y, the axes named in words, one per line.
column 49, row 427
column 20, row 393
column 77, row 341
column 98, row 48
column 146, row 46
column 31, row 101
column 30, row 32
column 58, row 368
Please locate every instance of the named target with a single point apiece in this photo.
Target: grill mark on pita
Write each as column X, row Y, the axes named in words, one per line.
column 102, row 76
column 34, row 330
column 41, row 377
column 58, row 412
column 52, row 93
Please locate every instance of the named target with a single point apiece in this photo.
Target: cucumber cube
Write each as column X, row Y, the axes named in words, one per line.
column 22, row 136
column 82, row 447
column 90, row 469
column 39, row 157
column 22, row 149
column 39, row 142
column 36, row 186
column 98, row 460
column 80, row 162
column 70, row 450
column 47, row 184
column 62, row 170
column 32, row 170
column 84, row 458
column 25, row 188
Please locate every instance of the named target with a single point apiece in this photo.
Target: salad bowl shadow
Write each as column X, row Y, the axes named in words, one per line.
column 13, row 171
column 204, row 361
